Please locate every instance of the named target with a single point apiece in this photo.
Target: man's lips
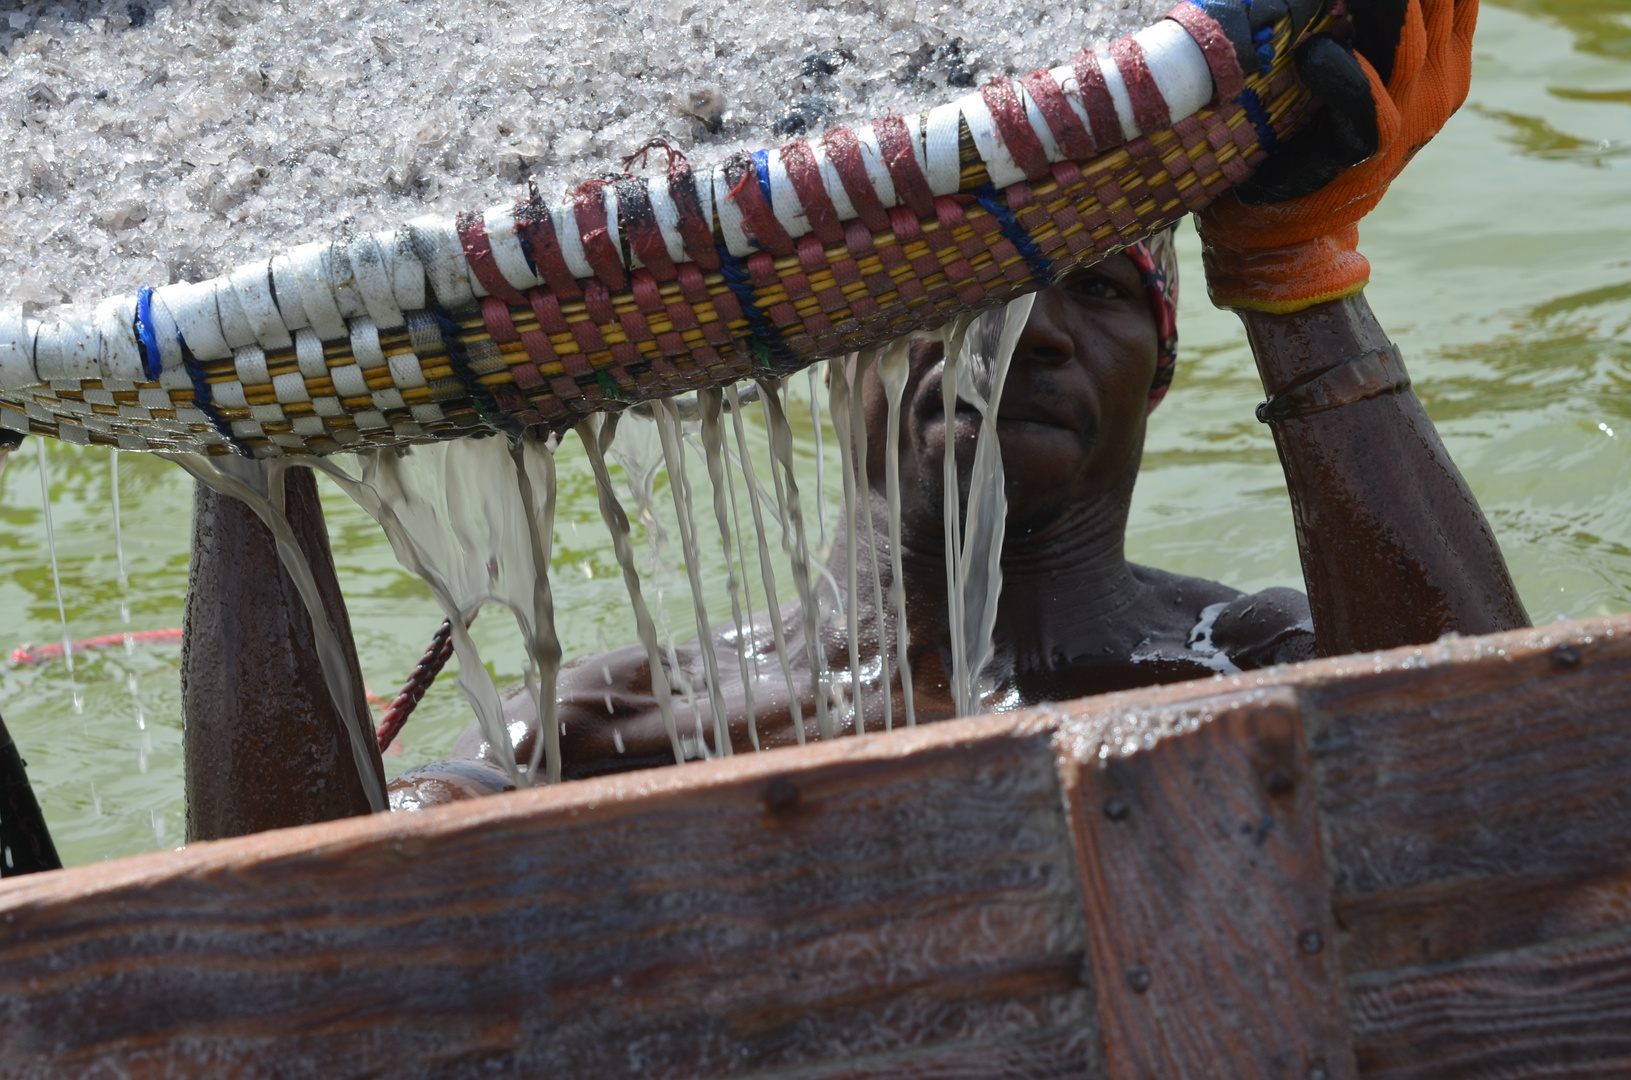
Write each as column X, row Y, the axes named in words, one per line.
column 1021, row 405
column 1014, row 414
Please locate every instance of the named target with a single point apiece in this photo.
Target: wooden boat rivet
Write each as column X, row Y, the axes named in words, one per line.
column 1278, row 781
column 1318, row 1071
column 781, row 796
column 1565, row 657
column 1116, row 809
column 1311, row 942
column 1138, row 978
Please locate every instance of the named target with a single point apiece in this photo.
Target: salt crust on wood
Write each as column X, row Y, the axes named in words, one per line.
column 153, row 142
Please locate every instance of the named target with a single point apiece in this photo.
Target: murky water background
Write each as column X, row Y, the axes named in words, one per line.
column 1502, row 267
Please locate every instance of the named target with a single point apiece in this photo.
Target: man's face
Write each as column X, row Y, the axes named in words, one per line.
column 1071, row 420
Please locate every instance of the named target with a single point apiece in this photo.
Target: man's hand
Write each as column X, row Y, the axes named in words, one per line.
column 1286, row 239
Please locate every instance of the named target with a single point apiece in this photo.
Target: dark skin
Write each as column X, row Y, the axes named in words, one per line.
column 1395, row 550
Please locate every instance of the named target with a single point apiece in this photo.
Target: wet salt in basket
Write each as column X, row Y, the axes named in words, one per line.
column 642, row 285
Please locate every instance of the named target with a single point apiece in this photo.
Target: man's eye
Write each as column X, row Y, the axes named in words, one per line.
column 1095, row 288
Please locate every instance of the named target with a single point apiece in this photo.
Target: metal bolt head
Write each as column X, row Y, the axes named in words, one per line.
column 1310, row 942
column 1138, row 978
column 1117, row 809
column 1278, row 781
column 781, row 796
column 1565, row 657
column 1318, row 1071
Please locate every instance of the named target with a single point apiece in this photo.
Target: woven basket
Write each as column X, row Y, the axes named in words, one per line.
column 634, row 289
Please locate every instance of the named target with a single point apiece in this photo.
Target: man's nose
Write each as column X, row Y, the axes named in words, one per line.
column 1045, row 341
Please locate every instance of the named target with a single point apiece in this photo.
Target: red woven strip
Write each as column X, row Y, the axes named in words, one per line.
column 1109, row 192
column 636, row 326
column 800, row 162
column 951, row 211
column 692, row 287
column 812, row 255
column 643, row 287
column 1149, row 164
column 1015, row 128
column 908, row 229
column 1033, row 218
column 683, row 316
column 959, row 272
column 1227, row 78
column 911, row 186
column 538, row 347
column 495, row 313
column 478, row 252
column 1182, row 165
column 844, row 150
column 1074, row 140
column 763, row 228
column 1136, row 190
column 1097, row 102
column 762, row 270
column 597, row 301
column 858, row 238
column 639, row 223
column 694, row 229
column 547, row 310
column 589, row 208
column 1150, row 111
column 536, row 229
column 526, row 376
column 797, row 285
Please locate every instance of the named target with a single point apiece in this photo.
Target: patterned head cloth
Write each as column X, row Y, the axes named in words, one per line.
column 1157, row 262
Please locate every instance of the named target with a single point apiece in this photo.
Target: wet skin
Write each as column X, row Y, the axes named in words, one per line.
column 1395, row 549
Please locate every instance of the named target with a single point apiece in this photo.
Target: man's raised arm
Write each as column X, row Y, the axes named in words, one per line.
column 1394, row 548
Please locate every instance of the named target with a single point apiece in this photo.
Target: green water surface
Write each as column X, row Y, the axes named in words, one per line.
column 1502, row 267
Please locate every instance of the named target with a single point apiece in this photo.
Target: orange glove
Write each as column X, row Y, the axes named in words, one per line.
column 1287, row 238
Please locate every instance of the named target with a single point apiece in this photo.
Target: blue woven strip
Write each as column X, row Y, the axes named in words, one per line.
column 1259, row 117
column 1264, row 42
column 1041, row 268
column 735, row 273
column 204, row 402
column 761, row 167
column 486, row 408
column 146, row 335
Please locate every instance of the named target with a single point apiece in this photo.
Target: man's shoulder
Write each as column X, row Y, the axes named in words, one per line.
column 1252, row 630
column 1261, row 629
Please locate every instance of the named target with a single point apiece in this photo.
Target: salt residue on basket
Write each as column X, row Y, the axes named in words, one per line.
column 152, row 143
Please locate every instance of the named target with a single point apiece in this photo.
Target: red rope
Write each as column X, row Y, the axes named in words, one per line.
column 424, row 673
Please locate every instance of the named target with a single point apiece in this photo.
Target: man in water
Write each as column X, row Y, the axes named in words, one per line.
column 1394, row 548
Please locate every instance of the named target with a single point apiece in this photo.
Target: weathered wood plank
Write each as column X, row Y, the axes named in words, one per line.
column 903, row 905
column 820, row 914
column 1480, row 806
column 1204, row 892
column 1562, row 1010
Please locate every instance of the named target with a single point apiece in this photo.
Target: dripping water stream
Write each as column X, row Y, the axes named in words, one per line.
column 839, row 395
column 131, row 682
column 56, row 579
column 892, row 371
column 713, row 444
column 767, row 569
column 795, row 544
column 987, row 354
column 596, row 433
column 679, row 486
